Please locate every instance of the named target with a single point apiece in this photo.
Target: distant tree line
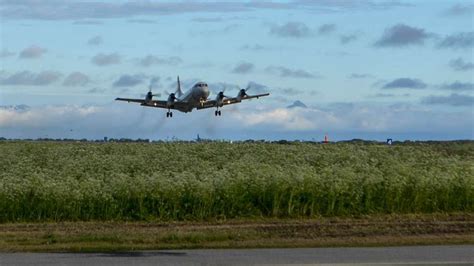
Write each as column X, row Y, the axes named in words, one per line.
column 282, row 141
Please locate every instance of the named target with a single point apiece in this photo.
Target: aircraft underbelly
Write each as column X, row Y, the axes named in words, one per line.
column 190, row 100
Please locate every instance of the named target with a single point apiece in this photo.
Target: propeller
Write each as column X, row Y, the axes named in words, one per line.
column 243, row 92
column 221, row 95
column 150, row 94
column 153, row 94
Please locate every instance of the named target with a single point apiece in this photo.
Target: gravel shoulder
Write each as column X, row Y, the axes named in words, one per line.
column 381, row 230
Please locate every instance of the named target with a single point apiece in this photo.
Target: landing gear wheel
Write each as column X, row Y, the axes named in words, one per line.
column 219, row 113
column 171, row 114
column 167, row 114
column 216, row 113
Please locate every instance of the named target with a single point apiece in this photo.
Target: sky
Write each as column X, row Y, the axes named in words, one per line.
column 363, row 69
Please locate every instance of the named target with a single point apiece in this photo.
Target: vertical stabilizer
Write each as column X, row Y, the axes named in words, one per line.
column 178, row 90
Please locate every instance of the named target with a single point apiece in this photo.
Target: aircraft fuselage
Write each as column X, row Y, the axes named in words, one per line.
column 195, row 96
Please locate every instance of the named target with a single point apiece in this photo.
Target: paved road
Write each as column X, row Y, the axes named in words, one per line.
column 418, row 255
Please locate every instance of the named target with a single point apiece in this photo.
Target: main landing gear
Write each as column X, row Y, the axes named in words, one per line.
column 217, row 113
column 169, row 114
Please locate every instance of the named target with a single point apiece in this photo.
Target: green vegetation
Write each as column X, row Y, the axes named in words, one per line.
column 67, row 181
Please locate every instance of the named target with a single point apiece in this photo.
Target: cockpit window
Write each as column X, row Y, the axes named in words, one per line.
column 205, row 85
column 199, row 85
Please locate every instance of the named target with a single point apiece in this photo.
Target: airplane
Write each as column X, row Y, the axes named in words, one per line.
column 196, row 97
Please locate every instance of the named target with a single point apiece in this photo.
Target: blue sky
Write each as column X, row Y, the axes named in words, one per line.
column 364, row 69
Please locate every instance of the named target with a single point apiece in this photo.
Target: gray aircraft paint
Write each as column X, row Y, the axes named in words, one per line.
column 194, row 98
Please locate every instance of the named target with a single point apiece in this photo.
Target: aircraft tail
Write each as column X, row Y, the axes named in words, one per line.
column 178, row 90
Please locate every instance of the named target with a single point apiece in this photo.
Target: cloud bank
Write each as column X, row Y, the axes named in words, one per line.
column 458, row 86
column 451, row 100
column 42, row 78
column 252, row 121
column 87, row 10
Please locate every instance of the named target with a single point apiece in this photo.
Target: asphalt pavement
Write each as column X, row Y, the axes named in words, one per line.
column 408, row 255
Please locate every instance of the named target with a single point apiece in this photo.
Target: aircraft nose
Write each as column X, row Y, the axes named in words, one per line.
column 205, row 92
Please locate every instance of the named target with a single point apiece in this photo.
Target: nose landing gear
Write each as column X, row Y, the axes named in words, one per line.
column 217, row 113
column 169, row 114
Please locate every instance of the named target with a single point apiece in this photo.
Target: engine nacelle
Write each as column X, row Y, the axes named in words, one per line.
column 242, row 94
column 171, row 100
column 220, row 99
column 148, row 97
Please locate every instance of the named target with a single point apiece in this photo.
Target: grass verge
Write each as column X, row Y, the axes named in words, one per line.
column 380, row 230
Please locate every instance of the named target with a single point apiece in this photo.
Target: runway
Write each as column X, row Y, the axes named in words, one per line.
column 408, row 255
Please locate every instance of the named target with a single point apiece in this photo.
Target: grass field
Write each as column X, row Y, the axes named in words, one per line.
column 59, row 181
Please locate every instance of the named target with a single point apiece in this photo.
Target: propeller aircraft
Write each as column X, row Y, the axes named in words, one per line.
column 194, row 98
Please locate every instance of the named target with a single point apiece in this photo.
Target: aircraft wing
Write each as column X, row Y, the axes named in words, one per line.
column 227, row 101
column 252, row 96
column 157, row 104
column 142, row 102
column 130, row 100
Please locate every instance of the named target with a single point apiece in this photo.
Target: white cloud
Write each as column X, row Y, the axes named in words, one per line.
column 45, row 116
column 247, row 120
column 289, row 119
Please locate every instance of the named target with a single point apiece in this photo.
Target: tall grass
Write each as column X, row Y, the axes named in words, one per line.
column 177, row 181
